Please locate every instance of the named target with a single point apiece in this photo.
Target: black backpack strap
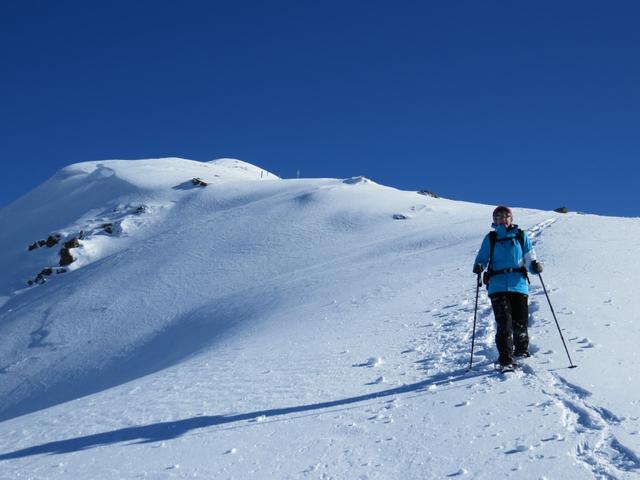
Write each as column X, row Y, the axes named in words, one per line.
column 492, row 241
column 520, row 237
column 487, row 274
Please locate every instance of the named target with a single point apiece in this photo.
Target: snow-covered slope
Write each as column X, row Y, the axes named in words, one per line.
column 265, row 328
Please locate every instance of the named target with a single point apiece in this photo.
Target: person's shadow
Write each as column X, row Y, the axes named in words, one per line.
column 169, row 430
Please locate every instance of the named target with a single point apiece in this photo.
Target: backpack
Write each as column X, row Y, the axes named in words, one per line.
column 493, row 238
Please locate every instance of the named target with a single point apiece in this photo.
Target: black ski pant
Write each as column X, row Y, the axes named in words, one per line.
column 511, row 310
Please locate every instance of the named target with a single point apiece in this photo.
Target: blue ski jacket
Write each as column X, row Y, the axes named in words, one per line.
column 507, row 254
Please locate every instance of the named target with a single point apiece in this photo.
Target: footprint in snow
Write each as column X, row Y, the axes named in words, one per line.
column 410, row 213
column 462, row 471
column 377, row 381
column 608, row 416
column 518, row 449
column 371, row 362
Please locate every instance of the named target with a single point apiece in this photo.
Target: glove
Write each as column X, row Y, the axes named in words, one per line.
column 478, row 268
column 536, row 267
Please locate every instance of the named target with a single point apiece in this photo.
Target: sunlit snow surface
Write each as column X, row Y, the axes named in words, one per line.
column 314, row 328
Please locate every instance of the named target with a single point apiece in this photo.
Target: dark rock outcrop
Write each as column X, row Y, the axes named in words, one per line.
column 51, row 240
column 199, row 182
column 65, row 257
column 428, row 193
column 65, row 253
column 47, row 271
column 73, row 243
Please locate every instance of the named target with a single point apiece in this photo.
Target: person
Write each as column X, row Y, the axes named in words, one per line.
column 507, row 262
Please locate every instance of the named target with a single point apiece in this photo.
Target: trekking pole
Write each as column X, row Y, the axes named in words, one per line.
column 571, row 365
column 475, row 313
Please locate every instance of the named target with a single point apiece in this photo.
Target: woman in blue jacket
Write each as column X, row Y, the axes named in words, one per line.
column 507, row 254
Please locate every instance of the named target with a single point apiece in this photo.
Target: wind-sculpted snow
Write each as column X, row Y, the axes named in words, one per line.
column 311, row 328
column 131, row 289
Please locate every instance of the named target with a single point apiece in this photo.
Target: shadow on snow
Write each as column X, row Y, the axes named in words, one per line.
column 158, row 432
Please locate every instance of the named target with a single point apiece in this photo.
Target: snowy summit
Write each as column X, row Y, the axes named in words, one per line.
column 171, row 318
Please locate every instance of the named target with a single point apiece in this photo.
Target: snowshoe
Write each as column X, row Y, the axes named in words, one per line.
column 506, row 367
column 523, row 354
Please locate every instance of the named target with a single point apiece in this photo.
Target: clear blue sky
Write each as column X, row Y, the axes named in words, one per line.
column 532, row 104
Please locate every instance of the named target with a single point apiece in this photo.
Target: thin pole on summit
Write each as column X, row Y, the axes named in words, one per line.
column 571, row 365
column 475, row 315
